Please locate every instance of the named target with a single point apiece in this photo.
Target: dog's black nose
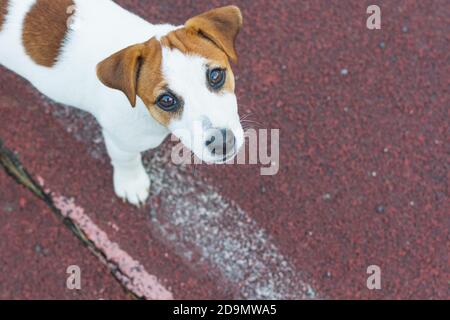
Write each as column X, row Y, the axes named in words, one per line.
column 221, row 142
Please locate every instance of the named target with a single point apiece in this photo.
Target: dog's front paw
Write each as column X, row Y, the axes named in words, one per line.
column 132, row 185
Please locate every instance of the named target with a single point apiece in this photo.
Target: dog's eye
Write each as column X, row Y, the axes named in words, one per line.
column 167, row 102
column 216, row 78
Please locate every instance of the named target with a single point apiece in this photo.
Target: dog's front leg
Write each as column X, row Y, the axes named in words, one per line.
column 131, row 181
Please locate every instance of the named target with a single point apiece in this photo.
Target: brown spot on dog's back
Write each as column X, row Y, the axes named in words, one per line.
column 45, row 28
column 3, row 12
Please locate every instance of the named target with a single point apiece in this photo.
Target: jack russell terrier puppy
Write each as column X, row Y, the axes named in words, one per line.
column 140, row 81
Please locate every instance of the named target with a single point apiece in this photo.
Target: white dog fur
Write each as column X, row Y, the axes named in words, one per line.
column 98, row 29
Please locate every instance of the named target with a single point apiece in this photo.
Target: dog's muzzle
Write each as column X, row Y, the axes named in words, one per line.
column 221, row 143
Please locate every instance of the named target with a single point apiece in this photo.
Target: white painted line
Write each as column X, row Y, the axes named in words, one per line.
column 204, row 228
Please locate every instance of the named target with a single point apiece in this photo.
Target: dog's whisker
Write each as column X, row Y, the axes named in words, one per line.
column 253, row 126
column 251, row 121
column 245, row 116
column 247, row 119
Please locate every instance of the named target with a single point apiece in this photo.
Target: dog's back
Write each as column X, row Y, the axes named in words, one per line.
column 56, row 44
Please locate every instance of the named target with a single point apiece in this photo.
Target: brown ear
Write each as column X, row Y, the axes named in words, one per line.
column 221, row 26
column 120, row 71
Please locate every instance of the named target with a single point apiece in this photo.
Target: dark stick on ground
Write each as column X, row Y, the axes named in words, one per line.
column 11, row 164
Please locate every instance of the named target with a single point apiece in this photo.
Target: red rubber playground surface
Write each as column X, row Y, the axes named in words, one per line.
column 363, row 180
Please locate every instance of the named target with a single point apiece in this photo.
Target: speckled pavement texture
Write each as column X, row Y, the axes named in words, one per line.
column 364, row 168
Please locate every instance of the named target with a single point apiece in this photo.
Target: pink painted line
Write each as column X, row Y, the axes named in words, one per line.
column 133, row 274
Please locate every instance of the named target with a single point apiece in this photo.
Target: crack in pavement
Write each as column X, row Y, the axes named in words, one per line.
column 13, row 167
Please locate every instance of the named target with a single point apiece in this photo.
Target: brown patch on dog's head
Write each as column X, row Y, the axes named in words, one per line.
column 3, row 12
column 136, row 71
column 190, row 43
column 44, row 30
column 221, row 26
column 211, row 35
